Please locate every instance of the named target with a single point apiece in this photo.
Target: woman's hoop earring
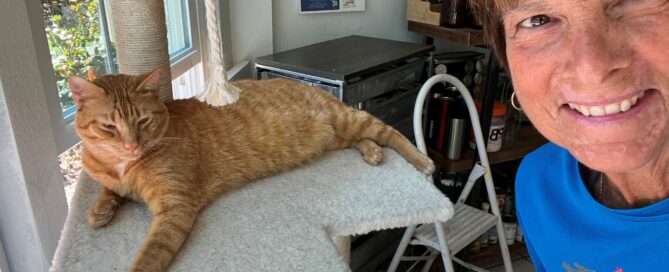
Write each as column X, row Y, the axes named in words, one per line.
column 513, row 102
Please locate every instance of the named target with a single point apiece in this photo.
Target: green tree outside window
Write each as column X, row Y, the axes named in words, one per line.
column 74, row 31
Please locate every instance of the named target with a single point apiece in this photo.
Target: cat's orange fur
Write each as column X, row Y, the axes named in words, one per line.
column 179, row 156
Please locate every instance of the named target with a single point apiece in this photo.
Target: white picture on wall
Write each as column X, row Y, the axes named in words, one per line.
column 323, row 6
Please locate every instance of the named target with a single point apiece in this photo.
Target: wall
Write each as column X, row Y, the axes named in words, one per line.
column 251, row 29
column 381, row 18
column 32, row 199
column 251, row 21
column 3, row 260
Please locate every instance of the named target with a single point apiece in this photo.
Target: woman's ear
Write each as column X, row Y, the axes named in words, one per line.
column 151, row 81
column 83, row 90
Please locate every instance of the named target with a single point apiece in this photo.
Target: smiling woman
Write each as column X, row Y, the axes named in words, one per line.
column 593, row 77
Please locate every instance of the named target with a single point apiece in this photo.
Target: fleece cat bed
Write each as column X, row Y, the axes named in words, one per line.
column 281, row 223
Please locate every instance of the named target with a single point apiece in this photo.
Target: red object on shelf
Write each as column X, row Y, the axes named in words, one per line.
column 442, row 125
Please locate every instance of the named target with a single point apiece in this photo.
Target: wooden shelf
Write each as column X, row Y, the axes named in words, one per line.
column 527, row 140
column 465, row 36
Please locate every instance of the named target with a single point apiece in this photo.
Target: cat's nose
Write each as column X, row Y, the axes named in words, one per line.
column 132, row 147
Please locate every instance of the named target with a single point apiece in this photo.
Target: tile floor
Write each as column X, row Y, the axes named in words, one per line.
column 519, row 257
column 519, row 265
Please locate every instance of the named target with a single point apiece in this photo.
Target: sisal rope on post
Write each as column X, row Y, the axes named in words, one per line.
column 141, row 39
column 219, row 91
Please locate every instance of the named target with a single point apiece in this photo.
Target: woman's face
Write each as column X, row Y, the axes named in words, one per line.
column 593, row 76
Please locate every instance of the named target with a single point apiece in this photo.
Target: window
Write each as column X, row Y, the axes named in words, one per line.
column 178, row 27
column 80, row 42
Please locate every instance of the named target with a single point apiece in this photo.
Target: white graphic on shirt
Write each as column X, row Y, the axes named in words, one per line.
column 577, row 268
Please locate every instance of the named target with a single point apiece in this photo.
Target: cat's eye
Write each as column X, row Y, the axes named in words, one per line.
column 143, row 121
column 108, row 126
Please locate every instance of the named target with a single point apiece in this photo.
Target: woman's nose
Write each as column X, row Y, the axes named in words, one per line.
column 599, row 51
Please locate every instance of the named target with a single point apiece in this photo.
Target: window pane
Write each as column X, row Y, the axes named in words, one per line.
column 178, row 30
column 80, row 44
column 76, row 36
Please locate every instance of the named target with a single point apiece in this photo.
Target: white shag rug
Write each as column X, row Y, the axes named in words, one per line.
column 281, row 223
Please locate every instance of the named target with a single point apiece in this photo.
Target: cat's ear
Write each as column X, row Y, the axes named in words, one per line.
column 83, row 90
column 151, row 81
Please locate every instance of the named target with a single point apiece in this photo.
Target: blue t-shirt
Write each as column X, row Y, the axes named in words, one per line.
column 566, row 229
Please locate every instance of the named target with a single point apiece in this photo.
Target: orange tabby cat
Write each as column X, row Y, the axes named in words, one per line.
column 179, row 156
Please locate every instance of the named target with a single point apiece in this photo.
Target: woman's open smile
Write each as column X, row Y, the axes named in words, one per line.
column 594, row 79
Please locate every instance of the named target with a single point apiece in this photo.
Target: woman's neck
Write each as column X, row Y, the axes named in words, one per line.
column 625, row 192
column 639, row 188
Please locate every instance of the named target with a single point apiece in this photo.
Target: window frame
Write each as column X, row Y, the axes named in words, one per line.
column 187, row 58
column 63, row 125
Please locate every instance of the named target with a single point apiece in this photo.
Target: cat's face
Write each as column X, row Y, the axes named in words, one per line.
column 120, row 114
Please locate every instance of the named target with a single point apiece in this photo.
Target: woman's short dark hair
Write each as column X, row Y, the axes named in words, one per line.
column 491, row 12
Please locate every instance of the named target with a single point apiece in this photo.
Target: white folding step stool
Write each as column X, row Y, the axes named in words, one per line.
column 469, row 223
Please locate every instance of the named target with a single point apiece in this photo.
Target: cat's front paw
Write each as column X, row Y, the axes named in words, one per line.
column 425, row 165
column 374, row 155
column 100, row 216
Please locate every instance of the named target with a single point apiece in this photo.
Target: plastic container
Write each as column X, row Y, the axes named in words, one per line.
column 519, row 234
column 492, row 236
column 497, row 126
column 484, row 239
column 510, row 232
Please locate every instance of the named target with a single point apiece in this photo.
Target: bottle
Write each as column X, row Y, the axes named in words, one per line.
column 509, row 203
column 519, row 234
column 475, row 247
column 453, row 13
column 456, row 127
column 509, row 216
column 492, row 236
column 510, row 226
column 497, row 126
column 436, row 117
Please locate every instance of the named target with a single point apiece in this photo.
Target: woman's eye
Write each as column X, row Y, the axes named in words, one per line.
column 108, row 126
column 535, row 21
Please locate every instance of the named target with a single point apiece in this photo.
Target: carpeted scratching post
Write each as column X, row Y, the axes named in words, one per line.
column 281, row 223
column 141, row 39
column 141, row 34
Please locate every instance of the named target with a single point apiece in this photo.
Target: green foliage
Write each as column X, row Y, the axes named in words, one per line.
column 74, row 33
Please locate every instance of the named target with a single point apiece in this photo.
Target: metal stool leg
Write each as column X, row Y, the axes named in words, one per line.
column 401, row 248
column 506, row 256
column 445, row 252
column 428, row 263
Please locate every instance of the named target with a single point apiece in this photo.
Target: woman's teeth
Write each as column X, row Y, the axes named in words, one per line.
column 609, row 109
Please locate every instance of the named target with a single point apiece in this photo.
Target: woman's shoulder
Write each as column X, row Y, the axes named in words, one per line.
column 546, row 169
column 547, row 158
